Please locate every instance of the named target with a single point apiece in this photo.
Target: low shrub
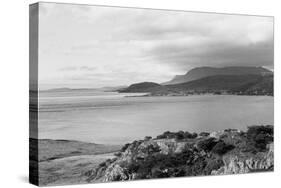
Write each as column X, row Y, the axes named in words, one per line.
column 118, row 154
column 214, row 164
column 151, row 149
column 160, row 165
column 125, row 147
column 103, row 164
column 207, row 144
column 259, row 136
column 166, row 134
column 197, row 167
column 133, row 167
column 230, row 130
column 221, row 148
column 190, row 135
column 204, row 134
column 147, row 138
column 180, row 135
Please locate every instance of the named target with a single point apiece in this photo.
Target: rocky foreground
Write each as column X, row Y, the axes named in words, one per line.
column 188, row 154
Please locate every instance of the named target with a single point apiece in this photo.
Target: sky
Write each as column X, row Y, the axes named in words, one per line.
column 83, row 46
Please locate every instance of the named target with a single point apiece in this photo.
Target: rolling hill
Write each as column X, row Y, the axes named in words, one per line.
column 231, row 84
column 219, row 82
column 201, row 72
column 142, row 87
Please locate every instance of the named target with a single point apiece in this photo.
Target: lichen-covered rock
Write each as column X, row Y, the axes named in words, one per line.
column 263, row 161
column 216, row 134
column 115, row 173
column 208, row 155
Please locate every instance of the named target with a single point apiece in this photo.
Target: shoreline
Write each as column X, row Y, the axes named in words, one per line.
column 63, row 161
column 204, row 94
column 49, row 149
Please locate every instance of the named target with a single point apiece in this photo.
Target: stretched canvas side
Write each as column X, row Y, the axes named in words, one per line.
column 33, row 94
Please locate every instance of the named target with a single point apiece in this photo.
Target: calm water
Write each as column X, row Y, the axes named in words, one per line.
column 112, row 118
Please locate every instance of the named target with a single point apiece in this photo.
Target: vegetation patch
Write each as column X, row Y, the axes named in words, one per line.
column 258, row 137
column 180, row 135
column 177, row 154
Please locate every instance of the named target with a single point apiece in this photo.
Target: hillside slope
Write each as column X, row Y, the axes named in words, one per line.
column 201, row 72
column 231, row 84
column 141, row 87
column 238, row 83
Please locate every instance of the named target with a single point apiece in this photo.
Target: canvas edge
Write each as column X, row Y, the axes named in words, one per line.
column 33, row 93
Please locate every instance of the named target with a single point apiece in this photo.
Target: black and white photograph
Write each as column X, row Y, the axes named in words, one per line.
column 121, row 94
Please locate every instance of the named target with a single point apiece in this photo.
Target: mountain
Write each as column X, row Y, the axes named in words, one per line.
column 142, row 87
column 251, row 84
column 221, row 82
column 265, row 85
column 202, row 72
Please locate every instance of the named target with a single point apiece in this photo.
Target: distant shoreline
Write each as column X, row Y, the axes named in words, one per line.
column 204, row 94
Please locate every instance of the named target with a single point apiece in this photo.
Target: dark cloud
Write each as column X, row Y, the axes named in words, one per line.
column 214, row 54
column 194, row 40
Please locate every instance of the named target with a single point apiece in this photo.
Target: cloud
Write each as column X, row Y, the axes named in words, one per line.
column 119, row 46
column 223, row 40
column 214, row 53
column 68, row 68
column 77, row 68
column 87, row 68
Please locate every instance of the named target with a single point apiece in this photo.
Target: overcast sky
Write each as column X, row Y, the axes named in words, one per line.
column 90, row 46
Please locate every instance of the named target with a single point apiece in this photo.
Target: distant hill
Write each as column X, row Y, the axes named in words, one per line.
column 265, row 85
column 113, row 88
column 202, row 72
column 62, row 89
column 141, row 87
column 65, row 89
column 232, row 83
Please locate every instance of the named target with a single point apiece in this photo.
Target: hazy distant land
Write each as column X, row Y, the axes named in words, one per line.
column 202, row 80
